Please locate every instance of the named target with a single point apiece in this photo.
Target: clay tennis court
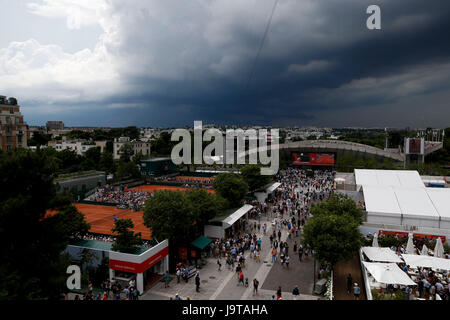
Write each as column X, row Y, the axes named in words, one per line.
column 101, row 219
column 153, row 188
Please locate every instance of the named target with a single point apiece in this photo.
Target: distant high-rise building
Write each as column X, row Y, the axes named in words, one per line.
column 54, row 125
column 13, row 131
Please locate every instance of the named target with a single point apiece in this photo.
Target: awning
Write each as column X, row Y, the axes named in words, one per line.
column 232, row 215
column 426, row 261
column 381, row 254
column 388, row 273
column 273, row 187
column 201, row 242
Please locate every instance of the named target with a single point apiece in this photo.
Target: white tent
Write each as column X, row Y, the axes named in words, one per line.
column 388, row 178
column 381, row 254
column 439, row 249
column 410, row 245
column 424, row 251
column 388, row 273
column 375, row 241
column 415, row 261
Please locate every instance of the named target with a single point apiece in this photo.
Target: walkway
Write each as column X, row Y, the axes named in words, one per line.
column 341, row 270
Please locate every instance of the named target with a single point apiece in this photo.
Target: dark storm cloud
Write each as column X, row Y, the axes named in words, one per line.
column 295, row 84
column 180, row 61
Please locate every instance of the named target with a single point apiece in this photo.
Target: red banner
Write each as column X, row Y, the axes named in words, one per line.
column 415, row 235
column 138, row 267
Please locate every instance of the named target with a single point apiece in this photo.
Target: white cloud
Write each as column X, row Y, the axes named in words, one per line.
column 79, row 13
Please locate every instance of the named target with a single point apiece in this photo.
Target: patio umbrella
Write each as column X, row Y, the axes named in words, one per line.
column 410, row 245
column 439, row 249
column 424, row 251
column 388, row 273
column 375, row 240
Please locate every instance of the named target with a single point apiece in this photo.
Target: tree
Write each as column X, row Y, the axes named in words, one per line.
column 163, row 145
column 251, row 174
column 169, row 214
column 333, row 230
column 333, row 238
column 127, row 170
column 340, row 205
column 39, row 139
column 232, row 187
column 126, row 240
column 94, row 155
column 126, row 152
column 107, row 162
column 32, row 266
column 205, row 206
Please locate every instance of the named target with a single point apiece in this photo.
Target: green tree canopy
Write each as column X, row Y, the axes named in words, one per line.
column 32, row 266
column 333, row 230
column 232, row 187
column 126, row 240
column 205, row 206
column 333, row 238
column 169, row 214
column 253, row 177
column 126, row 170
column 341, row 205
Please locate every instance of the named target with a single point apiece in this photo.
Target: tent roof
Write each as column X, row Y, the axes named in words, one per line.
column 381, row 254
column 426, row 261
column 441, row 200
column 388, row 273
column 415, row 201
column 381, row 199
column 201, row 242
column 388, row 178
column 424, row 202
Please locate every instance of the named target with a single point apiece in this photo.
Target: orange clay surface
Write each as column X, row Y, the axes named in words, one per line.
column 101, row 219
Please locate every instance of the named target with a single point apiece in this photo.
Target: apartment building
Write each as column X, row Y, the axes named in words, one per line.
column 13, row 130
column 142, row 147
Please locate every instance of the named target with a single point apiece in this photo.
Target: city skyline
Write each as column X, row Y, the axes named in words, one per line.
column 153, row 64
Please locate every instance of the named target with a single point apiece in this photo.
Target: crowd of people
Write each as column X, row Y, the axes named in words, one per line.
column 285, row 211
column 121, row 196
column 112, row 290
column 107, row 238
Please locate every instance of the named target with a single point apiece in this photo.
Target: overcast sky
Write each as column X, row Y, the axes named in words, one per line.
column 168, row 63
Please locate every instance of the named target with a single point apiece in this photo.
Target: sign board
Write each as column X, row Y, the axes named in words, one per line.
column 415, row 146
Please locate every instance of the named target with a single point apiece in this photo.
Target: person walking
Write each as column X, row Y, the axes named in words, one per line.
column 279, row 293
column 300, row 253
column 219, row 264
column 166, row 279
column 197, row 282
column 295, row 293
column 186, row 274
column 178, row 275
column 241, row 278
column 356, row 291
column 349, row 283
column 286, row 261
column 274, row 255
column 255, row 286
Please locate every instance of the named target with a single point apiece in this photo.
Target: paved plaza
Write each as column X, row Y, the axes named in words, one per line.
column 223, row 285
